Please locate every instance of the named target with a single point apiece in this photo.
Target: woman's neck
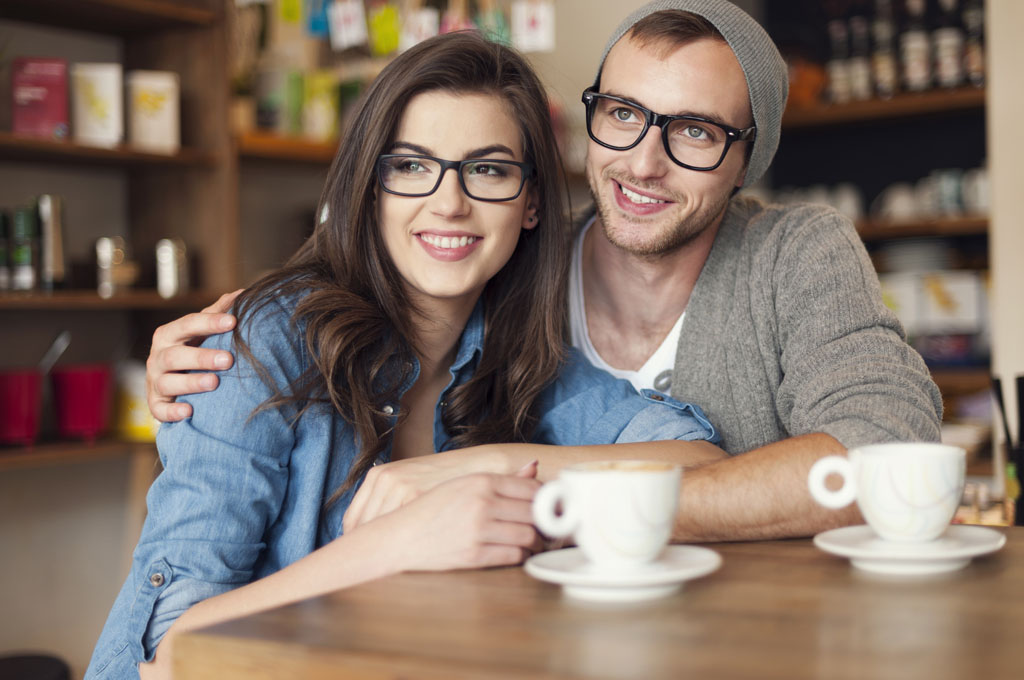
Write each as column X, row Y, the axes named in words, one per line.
column 439, row 325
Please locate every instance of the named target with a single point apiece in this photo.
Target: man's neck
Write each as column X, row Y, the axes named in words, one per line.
column 633, row 301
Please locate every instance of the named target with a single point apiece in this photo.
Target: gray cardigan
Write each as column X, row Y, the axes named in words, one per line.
column 786, row 334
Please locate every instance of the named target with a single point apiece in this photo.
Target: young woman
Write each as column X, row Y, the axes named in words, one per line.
column 424, row 314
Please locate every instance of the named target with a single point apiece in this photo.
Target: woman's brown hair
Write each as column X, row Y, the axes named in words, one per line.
column 356, row 315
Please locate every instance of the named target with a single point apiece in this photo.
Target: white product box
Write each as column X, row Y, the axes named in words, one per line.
column 154, row 120
column 96, row 104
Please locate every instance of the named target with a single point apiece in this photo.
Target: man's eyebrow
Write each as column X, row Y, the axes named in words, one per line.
column 481, row 152
column 689, row 112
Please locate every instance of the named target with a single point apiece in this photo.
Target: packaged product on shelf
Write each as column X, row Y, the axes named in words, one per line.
column 154, row 121
column 51, row 242
column 320, row 106
column 39, row 89
column 418, row 24
column 5, row 267
column 279, row 92
column 24, row 248
column 96, row 97
column 533, row 25
column 384, row 27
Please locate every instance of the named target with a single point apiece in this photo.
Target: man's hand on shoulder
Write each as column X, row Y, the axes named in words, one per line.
column 174, row 354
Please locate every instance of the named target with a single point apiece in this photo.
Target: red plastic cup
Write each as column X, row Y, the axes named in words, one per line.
column 19, row 407
column 81, row 400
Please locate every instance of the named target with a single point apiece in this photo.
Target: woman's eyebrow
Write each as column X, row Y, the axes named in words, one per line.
column 474, row 153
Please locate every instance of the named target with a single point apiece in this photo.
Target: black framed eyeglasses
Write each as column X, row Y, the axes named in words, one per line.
column 483, row 179
column 690, row 141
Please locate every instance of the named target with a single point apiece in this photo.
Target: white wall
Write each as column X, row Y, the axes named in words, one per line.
column 1005, row 53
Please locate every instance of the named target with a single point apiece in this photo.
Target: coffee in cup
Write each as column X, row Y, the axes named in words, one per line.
column 620, row 513
column 907, row 492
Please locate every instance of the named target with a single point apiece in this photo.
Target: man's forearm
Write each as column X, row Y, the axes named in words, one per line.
column 758, row 495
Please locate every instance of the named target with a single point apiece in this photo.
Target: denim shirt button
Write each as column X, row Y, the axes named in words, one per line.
column 657, row 397
column 156, row 579
column 389, row 409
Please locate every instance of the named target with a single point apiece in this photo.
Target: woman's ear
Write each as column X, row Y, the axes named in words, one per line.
column 530, row 216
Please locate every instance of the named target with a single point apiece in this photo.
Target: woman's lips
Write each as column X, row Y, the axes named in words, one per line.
column 448, row 247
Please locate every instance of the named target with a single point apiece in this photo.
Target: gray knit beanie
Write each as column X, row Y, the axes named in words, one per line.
column 763, row 67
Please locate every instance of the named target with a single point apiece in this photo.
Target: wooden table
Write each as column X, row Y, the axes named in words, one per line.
column 779, row 609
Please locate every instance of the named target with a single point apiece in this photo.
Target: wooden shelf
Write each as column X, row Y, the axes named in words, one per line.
column 268, row 146
column 948, row 226
column 900, row 106
column 115, row 17
column 957, row 381
column 15, row 148
column 90, row 300
column 63, row 453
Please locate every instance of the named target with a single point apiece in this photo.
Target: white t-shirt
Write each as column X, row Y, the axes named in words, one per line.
column 656, row 373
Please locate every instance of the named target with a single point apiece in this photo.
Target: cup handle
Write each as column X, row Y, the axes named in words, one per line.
column 842, row 496
column 544, row 503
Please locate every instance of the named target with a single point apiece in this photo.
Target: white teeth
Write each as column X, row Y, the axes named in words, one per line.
column 638, row 198
column 448, row 241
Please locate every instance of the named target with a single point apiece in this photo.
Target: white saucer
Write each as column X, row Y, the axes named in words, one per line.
column 949, row 552
column 579, row 579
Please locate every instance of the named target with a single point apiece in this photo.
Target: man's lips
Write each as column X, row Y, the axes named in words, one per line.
column 637, row 202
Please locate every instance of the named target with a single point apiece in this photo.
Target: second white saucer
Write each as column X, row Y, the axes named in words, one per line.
column 569, row 568
column 949, row 552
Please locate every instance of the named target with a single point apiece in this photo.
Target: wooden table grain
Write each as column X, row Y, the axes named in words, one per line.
column 777, row 609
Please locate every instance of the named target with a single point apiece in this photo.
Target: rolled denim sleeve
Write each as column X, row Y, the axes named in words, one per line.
column 587, row 406
column 225, row 473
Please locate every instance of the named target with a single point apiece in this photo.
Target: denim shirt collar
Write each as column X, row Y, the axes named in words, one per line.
column 471, row 344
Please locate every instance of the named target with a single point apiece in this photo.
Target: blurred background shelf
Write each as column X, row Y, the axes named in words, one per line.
column 90, row 300
column 268, row 146
column 871, row 230
column 899, row 106
column 109, row 16
column 65, row 453
column 16, row 148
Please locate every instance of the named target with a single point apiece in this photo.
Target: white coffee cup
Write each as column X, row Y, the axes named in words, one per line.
column 620, row 513
column 907, row 492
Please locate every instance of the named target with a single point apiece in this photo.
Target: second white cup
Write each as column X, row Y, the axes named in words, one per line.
column 907, row 492
column 620, row 513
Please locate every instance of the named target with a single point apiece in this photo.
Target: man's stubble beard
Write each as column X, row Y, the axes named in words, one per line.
column 660, row 245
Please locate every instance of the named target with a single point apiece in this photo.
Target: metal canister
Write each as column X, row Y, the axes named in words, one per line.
column 171, row 267
column 110, row 254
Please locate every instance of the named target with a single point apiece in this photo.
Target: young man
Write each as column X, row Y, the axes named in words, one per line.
column 768, row 317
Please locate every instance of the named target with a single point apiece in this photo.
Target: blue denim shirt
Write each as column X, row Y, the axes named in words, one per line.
column 242, row 496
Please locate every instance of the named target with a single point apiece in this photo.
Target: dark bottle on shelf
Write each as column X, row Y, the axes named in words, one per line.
column 884, row 64
column 860, row 58
column 973, row 18
column 915, row 47
column 838, row 66
column 948, row 45
column 24, row 249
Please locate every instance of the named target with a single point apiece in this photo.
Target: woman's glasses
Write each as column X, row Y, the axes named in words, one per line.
column 481, row 179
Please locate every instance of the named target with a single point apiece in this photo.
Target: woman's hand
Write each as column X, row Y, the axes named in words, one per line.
column 471, row 522
column 174, row 353
column 392, row 485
